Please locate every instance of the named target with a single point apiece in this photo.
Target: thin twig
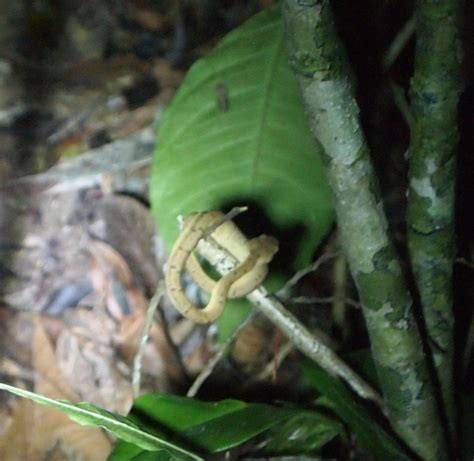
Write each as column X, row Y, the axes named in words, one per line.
column 465, row 262
column 229, row 216
column 171, row 340
column 269, row 369
column 402, row 104
column 309, row 344
column 137, row 362
column 303, row 272
column 211, row 364
column 398, row 43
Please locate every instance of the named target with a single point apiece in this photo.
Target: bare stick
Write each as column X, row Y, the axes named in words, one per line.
column 303, row 272
column 211, row 364
column 465, row 262
column 229, row 216
column 309, row 344
column 399, row 43
column 137, row 362
column 278, row 359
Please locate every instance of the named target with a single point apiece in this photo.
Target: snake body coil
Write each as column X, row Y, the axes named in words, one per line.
column 253, row 256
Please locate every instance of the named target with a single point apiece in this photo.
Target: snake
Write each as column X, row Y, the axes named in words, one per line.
column 253, row 256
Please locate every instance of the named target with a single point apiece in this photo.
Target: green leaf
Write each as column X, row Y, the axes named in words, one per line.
column 258, row 150
column 87, row 414
column 369, row 435
column 181, row 413
column 125, row 451
column 212, row 426
column 219, row 426
column 236, row 311
column 303, row 433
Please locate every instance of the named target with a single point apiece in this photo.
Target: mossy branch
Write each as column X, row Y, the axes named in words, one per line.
column 321, row 67
column 435, row 89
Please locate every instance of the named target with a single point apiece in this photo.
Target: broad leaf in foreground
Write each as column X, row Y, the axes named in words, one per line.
column 219, row 426
column 123, row 428
column 212, row 426
column 236, row 132
column 369, row 434
column 306, row 432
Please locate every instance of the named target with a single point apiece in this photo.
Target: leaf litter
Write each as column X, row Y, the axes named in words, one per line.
column 80, row 259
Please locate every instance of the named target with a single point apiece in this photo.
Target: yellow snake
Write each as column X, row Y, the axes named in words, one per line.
column 253, row 256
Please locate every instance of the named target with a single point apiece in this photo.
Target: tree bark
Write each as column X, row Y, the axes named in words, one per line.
column 435, row 89
column 321, row 67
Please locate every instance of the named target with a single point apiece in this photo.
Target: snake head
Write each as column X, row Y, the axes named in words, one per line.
column 267, row 246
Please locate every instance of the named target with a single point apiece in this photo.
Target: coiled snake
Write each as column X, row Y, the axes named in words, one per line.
column 253, row 256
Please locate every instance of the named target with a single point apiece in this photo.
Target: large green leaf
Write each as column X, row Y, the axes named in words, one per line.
column 369, row 434
column 125, row 451
column 89, row 415
column 212, row 426
column 306, row 432
column 219, row 426
column 259, row 150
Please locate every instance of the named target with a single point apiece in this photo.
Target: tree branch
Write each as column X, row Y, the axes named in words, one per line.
column 309, row 343
column 322, row 70
column 435, row 89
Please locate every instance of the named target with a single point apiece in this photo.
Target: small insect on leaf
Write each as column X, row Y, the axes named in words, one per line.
column 222, row 97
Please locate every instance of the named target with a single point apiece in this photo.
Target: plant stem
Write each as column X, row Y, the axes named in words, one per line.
column 320, row 64
column 311, row 344
column 435, row 89
column 399, row 42
column 137, row 361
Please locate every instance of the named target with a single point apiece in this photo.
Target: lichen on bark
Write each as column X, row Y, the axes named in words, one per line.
column 317, row 57
column 434, row 92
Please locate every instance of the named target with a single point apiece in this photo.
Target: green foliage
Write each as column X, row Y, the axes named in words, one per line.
column 369, row 434
column 123, row 428
column 306, row 432
column 125, row 451
column 257, row 149
column 167, row 427
column 218, row 426
column 163, row 427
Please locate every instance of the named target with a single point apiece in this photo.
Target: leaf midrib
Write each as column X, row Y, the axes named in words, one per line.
column 268, row 83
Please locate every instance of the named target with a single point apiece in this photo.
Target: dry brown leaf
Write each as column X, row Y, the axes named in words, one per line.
column 154, row 363
column 128, row 336
column 16, row 331
column 112, row 279
column 127, row 225
column 166, row 74
column 93, row 324
column 160, row 360
column 148, row 18
column 111, row 262
column 140, row 118
column 91, row 368
column 38, row 432
column 197, row 359
column 49, row 381
column 137, row 300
